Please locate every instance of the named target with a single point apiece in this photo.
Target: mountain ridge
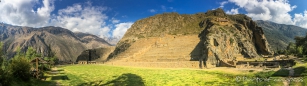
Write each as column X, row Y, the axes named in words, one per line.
column 65, row 43
column 280, row 35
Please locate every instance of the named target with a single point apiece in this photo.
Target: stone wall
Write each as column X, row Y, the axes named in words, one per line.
column 178, row 64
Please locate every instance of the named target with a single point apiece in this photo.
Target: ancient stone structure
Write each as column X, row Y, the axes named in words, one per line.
column 212, row 38
column 222, row 43
column 82, row 62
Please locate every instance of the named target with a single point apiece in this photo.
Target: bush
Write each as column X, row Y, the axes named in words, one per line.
column 20, row 68
column 5, row 78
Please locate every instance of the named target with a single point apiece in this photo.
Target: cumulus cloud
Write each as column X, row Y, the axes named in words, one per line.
column 233, row 11
column 301, row 19
column 83, row 18
column 121, row 29
column 272, row 10
column 77, row 17
column 21, row 12
column 223, row 3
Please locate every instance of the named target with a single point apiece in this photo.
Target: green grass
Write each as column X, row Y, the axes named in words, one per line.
column 85, row 75
column 112, row 75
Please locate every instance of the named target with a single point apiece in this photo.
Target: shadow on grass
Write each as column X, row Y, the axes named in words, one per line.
column 281, row 73
column 59, row 77
column 35, row 82
column 300, row 71
column 127, row 79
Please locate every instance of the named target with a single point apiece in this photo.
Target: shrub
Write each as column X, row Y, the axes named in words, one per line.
column 231, row 40
column 20, row 68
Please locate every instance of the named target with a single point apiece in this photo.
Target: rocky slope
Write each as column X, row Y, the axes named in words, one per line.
column 97, row 54
column 66, row 44
column 213, row 36
column 279, row 35
column 92, row 41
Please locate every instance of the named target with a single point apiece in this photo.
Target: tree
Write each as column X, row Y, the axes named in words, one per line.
column 5, row 75
column 1, row 57
column 31, row 53
column 20, row 68
column 291, row 48
column 51, row 55
column 299, row 50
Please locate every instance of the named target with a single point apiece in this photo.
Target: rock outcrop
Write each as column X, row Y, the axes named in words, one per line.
column 230, row 37
column 213, row 37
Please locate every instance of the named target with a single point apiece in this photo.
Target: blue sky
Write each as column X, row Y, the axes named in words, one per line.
column 112, row 18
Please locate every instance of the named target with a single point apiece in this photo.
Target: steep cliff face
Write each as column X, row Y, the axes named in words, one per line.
column 231, row 37
column 213, row 36
column 66, row 45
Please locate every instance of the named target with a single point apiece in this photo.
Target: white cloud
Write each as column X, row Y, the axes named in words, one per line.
column 83, row 18
column 233, row 11
column 223, row 3
column 21, row 12
column 78, row 17
column 152, row 10
column 114, row 21
column 301, row 19
column 272, row 10
column 121, row 29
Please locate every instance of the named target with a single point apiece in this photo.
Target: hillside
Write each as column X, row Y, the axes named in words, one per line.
column 279, row 35
column 213, row 36
column 66, row 44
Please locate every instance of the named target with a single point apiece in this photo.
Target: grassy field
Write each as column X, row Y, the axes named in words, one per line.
column 86, row 75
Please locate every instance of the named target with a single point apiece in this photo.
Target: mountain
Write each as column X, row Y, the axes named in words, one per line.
column 215, row 37
column 112, row 40
column 279, row 35
column 92, row 41
column 66, row 44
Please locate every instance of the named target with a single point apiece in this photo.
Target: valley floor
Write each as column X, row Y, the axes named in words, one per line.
column 106, row 75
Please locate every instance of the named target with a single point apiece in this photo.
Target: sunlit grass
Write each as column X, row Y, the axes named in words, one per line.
column 112, row 75
column 131, row 76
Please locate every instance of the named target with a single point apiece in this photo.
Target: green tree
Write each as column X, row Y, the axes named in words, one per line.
column 5, row 75
column 1, row 58
column 20, row 65
column 20, row 68
column 51, row 55
column 299, row 50
column 291, row 48
column 31, row 53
